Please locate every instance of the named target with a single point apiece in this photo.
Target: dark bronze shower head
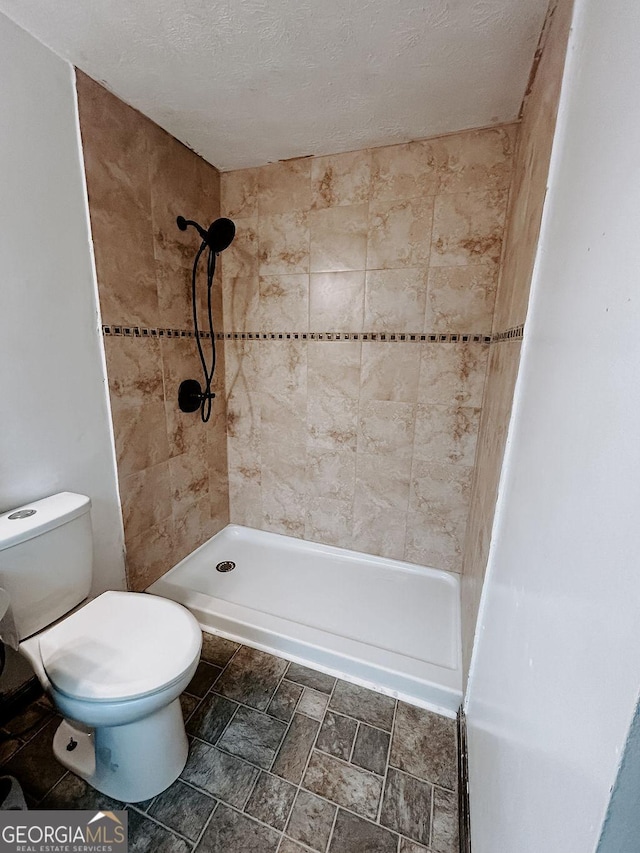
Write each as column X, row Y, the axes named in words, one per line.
column 218, row 236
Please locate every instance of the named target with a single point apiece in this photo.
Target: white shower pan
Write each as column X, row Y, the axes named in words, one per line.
column 381, row 623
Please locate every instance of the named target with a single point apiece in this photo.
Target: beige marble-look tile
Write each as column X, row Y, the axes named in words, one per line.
column 239, row 193
column 399, row 233
column 140, row 436
column 116, row 159
column 404, row 171
column 452, row 373
column 283, row 510
column 284, row 186
column 390, row 372
column 115, row 145
column 283, row 415
column 245, row 472
column 284, row 489
column 336, row 301
column 125, row 266
column 185, row 430
column 146, row 498
column 245, row 502
column 284, row 470
column 461, row 299
column 284, row 243
column 340, row 179
column 173, row 282
column 332, row 422
column 189, row 475
column 386, row 428
column 283, row 365
column 244, row 422
column 243, row 367
column 334, row 368
column 331, row 473
column 179, row 362
column 439, row 488
column 378, row 531
column 218, row 506
column 241, row 303
column 134, row 369
column 446, row 433
column 240, row 259
column 338, row 238
column 192, row 525
column 436, row 539
column 382, row 482
column 329, row 521
column 468, row 228
column 284, row 303
column 477, row 160
column 395, row 300
column 149, row 554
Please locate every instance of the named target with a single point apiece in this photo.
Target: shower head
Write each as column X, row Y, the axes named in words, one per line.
column 218, row 236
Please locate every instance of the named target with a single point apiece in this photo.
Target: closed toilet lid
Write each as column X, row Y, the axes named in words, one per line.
column 120, row 645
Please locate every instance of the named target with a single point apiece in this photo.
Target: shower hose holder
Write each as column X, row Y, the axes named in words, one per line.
column 191, row 395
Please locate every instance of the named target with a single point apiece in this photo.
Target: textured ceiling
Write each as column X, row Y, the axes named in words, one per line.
column 246, row 82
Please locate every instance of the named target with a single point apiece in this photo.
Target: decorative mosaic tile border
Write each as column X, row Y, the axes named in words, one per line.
column 387, row 337
column 140, row 332
column 514, row 334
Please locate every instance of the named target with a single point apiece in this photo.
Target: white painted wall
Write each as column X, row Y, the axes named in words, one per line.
column 54, row 418
column 556, row 668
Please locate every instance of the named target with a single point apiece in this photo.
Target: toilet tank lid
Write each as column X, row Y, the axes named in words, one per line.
column 36, row 518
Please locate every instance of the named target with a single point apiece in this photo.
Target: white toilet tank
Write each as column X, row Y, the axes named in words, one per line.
column 46, row 554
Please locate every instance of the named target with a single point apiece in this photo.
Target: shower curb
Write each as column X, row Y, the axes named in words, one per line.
column 464, row 826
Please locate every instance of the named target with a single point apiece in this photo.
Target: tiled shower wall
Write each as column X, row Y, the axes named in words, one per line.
column 367, row 444
column 172, row 469
column 531, row 169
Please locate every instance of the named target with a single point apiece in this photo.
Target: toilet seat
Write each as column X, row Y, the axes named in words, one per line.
column 120, row 646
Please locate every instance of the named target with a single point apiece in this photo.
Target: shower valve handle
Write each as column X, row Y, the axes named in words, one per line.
column 190, row 395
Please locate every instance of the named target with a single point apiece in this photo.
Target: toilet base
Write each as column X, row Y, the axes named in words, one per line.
column 128, row 763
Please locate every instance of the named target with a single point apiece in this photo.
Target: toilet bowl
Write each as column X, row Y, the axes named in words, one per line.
column 114, row 667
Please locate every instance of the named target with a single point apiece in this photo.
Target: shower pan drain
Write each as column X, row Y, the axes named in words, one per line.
column 225, row 566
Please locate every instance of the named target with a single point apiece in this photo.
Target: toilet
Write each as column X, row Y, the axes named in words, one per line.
column 114, row 667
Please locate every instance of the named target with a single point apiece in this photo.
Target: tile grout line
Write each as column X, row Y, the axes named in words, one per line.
column 306, row 767
column 353, row 745
column 206, row 826
column 386, row 766
column 158, row 822
column 431, row 816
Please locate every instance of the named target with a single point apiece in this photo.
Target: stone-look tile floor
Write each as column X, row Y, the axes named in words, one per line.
column 282, row 758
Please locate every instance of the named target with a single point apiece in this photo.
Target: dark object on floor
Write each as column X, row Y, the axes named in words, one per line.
column 11, row 796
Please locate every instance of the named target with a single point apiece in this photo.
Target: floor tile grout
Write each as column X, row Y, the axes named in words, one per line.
column 308, row 761
column 158, row 822
column 206, row 826
column 386, row 765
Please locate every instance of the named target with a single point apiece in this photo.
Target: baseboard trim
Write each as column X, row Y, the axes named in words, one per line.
column 463, row 784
